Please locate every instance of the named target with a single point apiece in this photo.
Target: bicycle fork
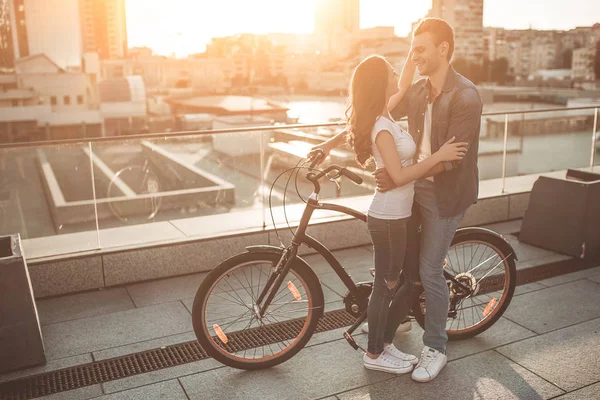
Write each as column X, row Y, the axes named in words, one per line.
column 275, row 280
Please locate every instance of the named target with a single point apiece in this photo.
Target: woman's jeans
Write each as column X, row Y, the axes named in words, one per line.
column 389, row 245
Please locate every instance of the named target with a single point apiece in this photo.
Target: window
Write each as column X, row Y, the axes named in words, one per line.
column 53, row 100
column 15, row 103
column 67, row 100
column 80, row 99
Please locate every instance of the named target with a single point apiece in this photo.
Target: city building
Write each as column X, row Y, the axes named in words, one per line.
column 543, row 55
column 53, row 31
column 337, row 25
column 123, row 105
column 583, row 63
column 41, row 100
column 335, row 16
column 466, row 17
column 13, row 32
column 103, row 27
column 63, row 32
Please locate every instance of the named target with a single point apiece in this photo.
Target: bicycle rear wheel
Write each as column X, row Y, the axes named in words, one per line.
column 226, row 319
column 476, row 260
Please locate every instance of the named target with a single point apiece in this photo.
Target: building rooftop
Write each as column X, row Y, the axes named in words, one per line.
column 227, row 105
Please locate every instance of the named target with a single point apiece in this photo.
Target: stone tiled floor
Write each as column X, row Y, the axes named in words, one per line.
column 546, row 345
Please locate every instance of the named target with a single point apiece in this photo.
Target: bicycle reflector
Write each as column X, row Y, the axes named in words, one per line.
column 220, row 333
column 294, row 291
column 489, row 307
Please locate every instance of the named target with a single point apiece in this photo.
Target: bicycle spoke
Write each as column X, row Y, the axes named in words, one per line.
column 231, row 304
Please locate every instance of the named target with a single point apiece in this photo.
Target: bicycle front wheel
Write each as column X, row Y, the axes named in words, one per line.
column 226, row 317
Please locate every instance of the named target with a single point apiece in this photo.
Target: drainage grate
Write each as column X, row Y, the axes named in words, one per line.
column 152, row 360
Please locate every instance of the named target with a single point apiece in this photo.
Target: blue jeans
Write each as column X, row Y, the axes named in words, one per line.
column 436, row 236
column 389, row 244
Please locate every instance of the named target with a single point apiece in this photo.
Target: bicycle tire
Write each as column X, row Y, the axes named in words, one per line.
column 511, row 278
column 209, row 342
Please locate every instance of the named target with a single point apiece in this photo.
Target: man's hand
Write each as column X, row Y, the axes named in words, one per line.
column 383, row 180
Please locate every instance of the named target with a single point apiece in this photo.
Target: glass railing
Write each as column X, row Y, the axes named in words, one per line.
column 73, row 196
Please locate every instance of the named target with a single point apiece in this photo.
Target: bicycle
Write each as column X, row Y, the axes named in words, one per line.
column 246, row 323
column 146, row 185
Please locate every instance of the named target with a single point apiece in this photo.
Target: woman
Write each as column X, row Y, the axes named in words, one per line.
column 373, row 134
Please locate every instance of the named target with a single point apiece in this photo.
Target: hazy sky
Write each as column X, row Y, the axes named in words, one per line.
column 186, row 26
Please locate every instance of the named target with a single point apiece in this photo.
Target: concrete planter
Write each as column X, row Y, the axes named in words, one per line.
column 21, row 342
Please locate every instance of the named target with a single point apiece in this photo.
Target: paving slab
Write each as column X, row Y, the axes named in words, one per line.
column 484, row 376
column 574, row 276
column 595, row 278
column 556, row 307
column 528, row 287
column 84, row 393
column 165, row 290
column 66, row 308
column 315, row 372
column 161, row 375
column 169, row 390
column 569, row 358
column 86, row 335
column 589, row 392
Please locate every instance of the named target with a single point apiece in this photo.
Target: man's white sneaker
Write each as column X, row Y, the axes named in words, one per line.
column 403, row 327
column 387, row 363
column 391, row 349
column 430, row 365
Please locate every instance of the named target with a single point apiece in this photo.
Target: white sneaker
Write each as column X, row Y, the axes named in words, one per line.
column 387, row 363
column 430, row 365
column 391, row 349
column 403, row 327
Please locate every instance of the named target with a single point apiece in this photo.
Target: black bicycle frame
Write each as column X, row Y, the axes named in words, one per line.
column 301, row 237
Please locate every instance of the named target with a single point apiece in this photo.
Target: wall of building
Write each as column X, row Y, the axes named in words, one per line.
column 53, row 29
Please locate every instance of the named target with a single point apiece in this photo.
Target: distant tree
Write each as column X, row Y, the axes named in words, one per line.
column 499, row 70
column 471, row 70
column 597, row 61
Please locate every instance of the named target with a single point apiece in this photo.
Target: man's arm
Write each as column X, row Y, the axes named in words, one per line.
column 465, row 120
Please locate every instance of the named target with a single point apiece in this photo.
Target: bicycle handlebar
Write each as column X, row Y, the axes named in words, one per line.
column 314, row 178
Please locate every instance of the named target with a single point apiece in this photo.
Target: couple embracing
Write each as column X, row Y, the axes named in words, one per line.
column 426, row 179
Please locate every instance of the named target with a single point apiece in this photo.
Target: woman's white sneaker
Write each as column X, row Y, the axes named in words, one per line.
column 430, row 365
column 387, row 363
column 391, row 349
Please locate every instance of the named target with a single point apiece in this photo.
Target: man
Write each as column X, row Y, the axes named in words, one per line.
column 438, row 107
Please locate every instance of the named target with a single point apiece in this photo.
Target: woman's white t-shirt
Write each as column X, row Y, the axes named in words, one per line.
column 395, row 203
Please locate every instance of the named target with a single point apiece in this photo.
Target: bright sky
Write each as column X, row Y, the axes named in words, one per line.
column 186, row 26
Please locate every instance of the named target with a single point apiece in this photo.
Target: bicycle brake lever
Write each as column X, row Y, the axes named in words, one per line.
column 336, row 183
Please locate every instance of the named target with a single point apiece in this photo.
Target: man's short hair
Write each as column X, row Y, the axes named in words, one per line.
column 441, row 31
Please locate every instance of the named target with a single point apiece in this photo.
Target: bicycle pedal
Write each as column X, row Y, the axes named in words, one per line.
column 352, row 342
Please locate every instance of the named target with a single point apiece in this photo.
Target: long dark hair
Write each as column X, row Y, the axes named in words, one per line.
column 368, row 88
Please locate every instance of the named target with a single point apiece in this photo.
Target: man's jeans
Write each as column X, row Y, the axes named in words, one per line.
column 436, row 237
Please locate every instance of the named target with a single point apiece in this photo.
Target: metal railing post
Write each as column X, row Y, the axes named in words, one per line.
column 504, row 152
column 593, row 156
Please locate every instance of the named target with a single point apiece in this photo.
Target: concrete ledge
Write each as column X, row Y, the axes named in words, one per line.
column 66, row 276
column 176, row 259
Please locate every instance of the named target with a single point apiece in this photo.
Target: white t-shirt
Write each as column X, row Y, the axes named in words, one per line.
column 424, row 149
column 396, row 203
